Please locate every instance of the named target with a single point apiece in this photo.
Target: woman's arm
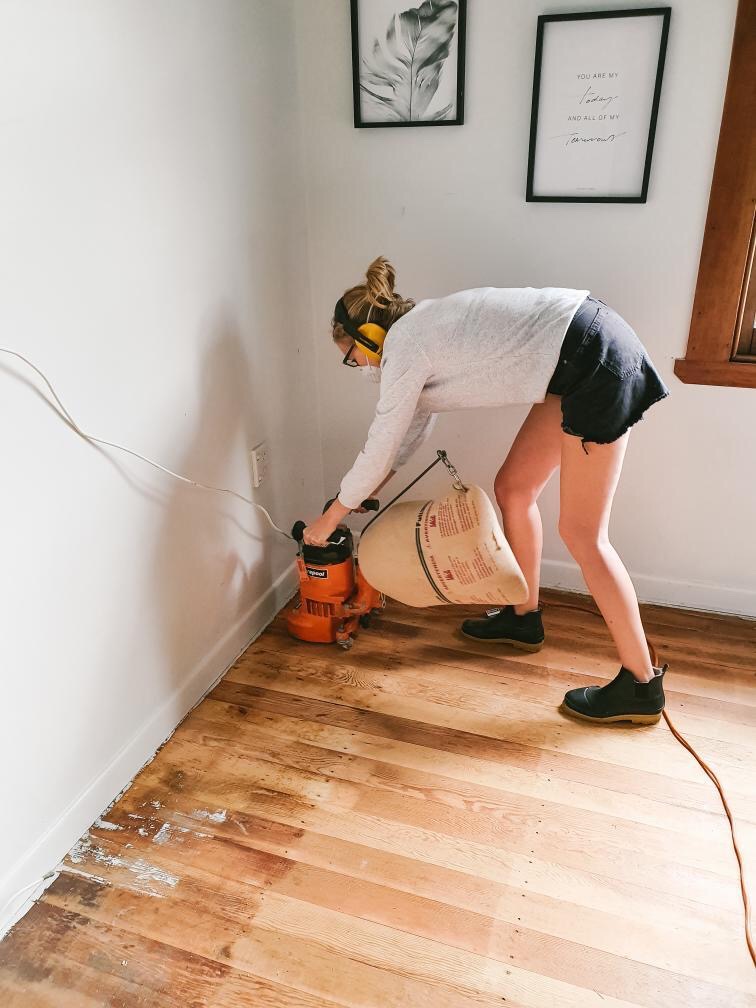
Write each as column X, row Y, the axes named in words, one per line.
column 317, row 533
column 382, row 484
column 403, row 376
column 403, row 380
column 418, row 431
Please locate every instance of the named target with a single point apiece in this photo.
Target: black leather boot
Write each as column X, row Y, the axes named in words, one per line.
column 504, row 626
column 623, row 699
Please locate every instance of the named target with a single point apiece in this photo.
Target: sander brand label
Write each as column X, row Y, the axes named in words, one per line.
column 316, row 572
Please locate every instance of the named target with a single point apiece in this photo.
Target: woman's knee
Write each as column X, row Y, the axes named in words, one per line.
column 581, row 538
column 512, row 491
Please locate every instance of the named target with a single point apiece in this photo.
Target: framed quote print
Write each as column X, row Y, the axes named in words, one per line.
column 408, row 62
column 596, row 89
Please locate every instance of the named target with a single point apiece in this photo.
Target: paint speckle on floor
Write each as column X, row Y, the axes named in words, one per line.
column 104, row 824
column 163, row 835
column 85, row 874
column 144, row 873
column 217, row 817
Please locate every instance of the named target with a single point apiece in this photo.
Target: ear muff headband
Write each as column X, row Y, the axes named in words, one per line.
column 369, row 337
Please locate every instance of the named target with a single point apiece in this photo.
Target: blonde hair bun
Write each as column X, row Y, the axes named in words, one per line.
column 375, row 300
column 381, row 277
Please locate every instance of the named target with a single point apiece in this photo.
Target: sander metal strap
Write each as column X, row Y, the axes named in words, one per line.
column 441, row 456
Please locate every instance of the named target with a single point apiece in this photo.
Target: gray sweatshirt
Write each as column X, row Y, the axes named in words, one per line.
column 491, row 346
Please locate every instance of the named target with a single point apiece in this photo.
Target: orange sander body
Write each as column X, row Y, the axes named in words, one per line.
column 334, row 598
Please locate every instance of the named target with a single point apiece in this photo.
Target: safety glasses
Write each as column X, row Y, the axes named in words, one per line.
column 348, row 358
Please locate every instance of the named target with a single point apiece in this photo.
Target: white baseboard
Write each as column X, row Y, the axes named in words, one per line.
column 662, row 591
column 117, row 776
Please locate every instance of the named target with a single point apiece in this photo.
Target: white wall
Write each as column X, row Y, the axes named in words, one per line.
column 153, row 263
column 447, row 206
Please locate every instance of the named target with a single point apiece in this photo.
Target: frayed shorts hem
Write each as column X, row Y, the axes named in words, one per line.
column 605, row 377
column 626, row 427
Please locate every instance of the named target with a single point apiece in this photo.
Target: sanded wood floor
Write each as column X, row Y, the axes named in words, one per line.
column 413, row 824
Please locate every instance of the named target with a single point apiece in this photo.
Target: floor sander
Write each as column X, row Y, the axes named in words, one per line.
column 334, row 597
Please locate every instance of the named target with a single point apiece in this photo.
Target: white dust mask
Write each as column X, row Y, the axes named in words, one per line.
column 370, row 373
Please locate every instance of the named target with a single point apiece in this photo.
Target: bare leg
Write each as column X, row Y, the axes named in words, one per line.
column 587, row 485
column 534, row 455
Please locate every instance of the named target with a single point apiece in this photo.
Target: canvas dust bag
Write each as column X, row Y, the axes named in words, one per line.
column 452, row 550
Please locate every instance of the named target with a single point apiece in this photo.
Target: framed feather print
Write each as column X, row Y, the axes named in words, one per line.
column 408, row 63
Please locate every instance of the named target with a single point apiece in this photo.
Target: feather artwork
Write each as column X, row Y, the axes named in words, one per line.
column 401, row 75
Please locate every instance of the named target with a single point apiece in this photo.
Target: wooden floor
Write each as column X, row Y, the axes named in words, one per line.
column 413, row 823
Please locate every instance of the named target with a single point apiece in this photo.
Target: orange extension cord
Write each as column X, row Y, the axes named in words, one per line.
column 706, row 769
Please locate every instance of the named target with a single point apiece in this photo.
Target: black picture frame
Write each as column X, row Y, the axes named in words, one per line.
column 640, row 196
column 459, row 89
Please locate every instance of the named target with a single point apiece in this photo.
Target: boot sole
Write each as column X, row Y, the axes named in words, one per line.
column 522, row 645
column 631, row 718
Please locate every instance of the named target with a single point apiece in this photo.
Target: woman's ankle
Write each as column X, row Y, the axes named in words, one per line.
column 643, row 676
column 524, row 608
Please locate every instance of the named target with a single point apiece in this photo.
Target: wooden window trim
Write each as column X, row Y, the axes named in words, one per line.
column 722, row 273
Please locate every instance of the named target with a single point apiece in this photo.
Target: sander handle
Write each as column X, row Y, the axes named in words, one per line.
column 297, row 532
column 369, row 504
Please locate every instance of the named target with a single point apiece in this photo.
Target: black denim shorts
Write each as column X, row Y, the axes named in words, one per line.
column 604, row 376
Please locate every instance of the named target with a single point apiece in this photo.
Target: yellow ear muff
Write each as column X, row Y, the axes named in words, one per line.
column 372, row 346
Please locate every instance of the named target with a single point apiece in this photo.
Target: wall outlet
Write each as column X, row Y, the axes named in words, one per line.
column 259, row 456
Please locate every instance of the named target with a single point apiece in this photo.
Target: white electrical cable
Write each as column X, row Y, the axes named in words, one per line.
column 128, row 451
column 32, row 885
